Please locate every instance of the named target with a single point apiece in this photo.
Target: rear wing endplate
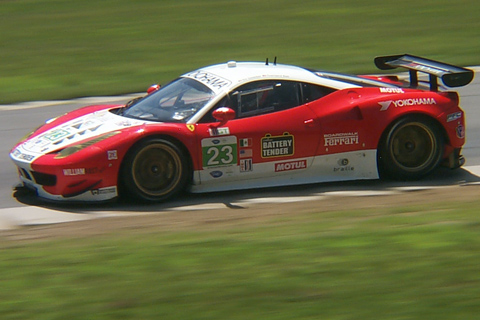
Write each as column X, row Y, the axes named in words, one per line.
column 452, row 76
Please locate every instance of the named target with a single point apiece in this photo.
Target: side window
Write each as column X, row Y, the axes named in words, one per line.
column 263, row 97
column 312, row 92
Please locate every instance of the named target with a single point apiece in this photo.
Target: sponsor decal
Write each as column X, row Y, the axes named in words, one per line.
column 216, row 174
column 460, row 131
column 291, row 165
column 246, row 153
column 246, row 165
column 426, row 69
column 277, row 146
column 406, row 102
column 454, row 116
column 123, row 123
column 209, row 79
column 74, row 172
column 107, row 190
column 191, row 127
column 219, row 131
column 246, row 142
column 56, row 134
column 343, row 166
column 22, row 156
column 217, row 152
column 391, row 90
column 340, row 139
column 112, row 155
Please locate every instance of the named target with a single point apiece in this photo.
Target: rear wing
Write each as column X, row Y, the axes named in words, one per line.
column 452, row 76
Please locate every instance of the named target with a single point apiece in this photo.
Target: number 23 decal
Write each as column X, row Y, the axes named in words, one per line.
column 219, row 151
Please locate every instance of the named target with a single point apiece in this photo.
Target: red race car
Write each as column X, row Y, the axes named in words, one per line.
column 247, row 125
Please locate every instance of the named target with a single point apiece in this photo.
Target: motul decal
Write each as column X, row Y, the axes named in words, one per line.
column 406, row 102
column 340, row 139
column 277, row 146
column 291, row 165
column 391, row 90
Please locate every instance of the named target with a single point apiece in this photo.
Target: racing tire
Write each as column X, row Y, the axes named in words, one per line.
column 411, row 148
column 154, row 170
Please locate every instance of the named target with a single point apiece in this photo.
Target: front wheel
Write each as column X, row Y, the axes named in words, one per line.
column 411, row 149
column 154, row 170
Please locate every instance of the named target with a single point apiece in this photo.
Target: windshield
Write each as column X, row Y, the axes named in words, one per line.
column 176, row 102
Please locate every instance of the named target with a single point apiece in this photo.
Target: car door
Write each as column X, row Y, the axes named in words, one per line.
column 273, row 134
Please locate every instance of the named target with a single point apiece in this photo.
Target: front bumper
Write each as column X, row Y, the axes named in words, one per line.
column 68, row 179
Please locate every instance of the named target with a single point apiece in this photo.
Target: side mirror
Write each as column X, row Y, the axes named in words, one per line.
column 223, row 114
column 153, row 88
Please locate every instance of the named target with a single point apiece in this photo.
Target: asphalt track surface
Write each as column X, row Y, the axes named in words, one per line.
column 18, row 208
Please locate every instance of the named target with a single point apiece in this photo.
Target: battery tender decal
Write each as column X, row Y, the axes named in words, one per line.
column 219, row 151
column 277, row 146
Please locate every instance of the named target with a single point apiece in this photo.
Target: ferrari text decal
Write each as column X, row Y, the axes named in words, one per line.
column 278, row 146
column 209, row 79
column 406, row 102
column 291, row 165
column 340, row 139
column 221, row 151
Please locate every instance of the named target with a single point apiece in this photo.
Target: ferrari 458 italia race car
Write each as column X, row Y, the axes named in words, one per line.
column 248, row 125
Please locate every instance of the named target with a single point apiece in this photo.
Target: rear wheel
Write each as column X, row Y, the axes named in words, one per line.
column 155, row 170
column 411, row 149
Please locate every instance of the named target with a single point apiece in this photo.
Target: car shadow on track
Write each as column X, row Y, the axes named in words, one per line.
column 230, row 199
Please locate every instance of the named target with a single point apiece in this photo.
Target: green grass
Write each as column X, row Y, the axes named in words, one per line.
column 384, row 263
column 55, row 49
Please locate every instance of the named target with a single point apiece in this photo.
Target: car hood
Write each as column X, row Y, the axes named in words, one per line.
column 75, row 130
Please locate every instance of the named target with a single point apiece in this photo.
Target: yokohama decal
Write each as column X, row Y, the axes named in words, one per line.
column 209, row 79
column 291, row 165
column 406, row 102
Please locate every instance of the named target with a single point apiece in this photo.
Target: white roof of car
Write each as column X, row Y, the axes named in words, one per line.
column 226, row 76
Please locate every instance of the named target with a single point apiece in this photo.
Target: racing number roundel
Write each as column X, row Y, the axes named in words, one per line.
column 219, row 151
